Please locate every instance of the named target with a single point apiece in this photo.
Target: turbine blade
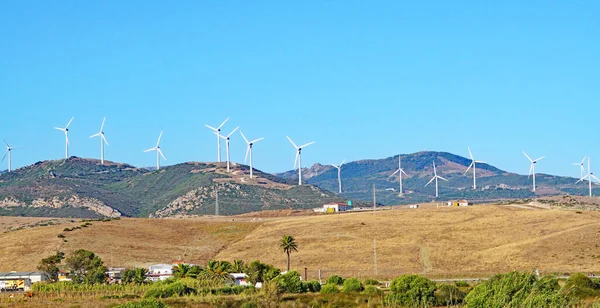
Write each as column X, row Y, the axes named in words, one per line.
column 223, row 123
column 233, row 131
column 5, row 153
column 61, row 129
column 247, row 150
column 539, row 158
column 471, row 165
column 527, row 156
column 296, row 160
column 69, row 122
column 530, row 170
column 161, row 153
column 8, row 146
column 583, row 160
column 95, row 135
column 343, row 161
column 102, row 126
column 393, row 173
column 159, row 136
column 257, row 140
column 244, row 137
column 480, row 162
column 292, row 142
column 441, row 178
column 67, row 137
column 210, row 127
column 594, row 177
column 433, row 178
column 403, row 172
column 305, row 145
column 470, row 154
column 151, row 149
column 104, row 138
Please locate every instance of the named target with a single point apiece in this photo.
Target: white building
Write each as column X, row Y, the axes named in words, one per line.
column 413, row 206
column 240, row 279
column 32, row 276
column 333, row 207
column 158, row 272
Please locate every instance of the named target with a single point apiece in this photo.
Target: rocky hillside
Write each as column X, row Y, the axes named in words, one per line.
column 79, row 187
column 358, row 178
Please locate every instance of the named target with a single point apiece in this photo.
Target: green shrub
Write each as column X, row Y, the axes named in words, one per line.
column 517, row 289
column 461, row 284
column 312, row 286
column 290, row 282
column 335, row 279
column 581, row 286
column 352, row 285
column 371, row 282
column 449, row 295
column 146, row 303
column 249, row 305
column 330, row 288
column 372, row 290
column 411, row 291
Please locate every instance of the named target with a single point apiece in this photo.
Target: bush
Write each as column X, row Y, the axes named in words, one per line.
column 372, row 290
column 581, row 286
column 335, row 279
column 169, row 290
column 249, row 305
column 352, row 285
column 371, row 282
column 330, row 289
column 290, row 282
column 449, row 295
column 411, row 291
column 462, row 284
column 312, row 286
column 146, row 303
column 516, row 289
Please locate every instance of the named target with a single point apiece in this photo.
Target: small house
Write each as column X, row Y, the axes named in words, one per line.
column 334, row 207
column 158, row 272
column 413, row 206
column 240, row 279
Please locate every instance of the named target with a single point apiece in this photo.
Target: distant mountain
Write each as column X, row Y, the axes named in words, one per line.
column 358, row 178
column 78, row 187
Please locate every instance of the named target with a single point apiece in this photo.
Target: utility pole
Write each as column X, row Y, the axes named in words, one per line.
column 216, row 200
column 375, row 255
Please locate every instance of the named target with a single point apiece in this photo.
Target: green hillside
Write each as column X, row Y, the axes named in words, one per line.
column 79, row 187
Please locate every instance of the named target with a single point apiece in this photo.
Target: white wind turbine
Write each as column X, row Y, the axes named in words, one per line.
column 102, row 140
column 158, row 151
column 339, row 171
column 581, row 168
column 8, row 153
column 298, row 159
column 400, row 171
column 249, row 149
column 589, row 177
column 473, row 162
column 218, row 132
column 435, row 177
column 532, row 168
column 66, row 131
column 227, row 144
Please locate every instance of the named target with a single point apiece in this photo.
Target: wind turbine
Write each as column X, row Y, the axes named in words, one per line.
column 227, row 144
column 102, row 141
column 218, row 131
column 66, row 130
column 581, row 168
column 473, row 162
column 158, row 151
column 8, row 152
column 400, row 171
column 589, row 177
column 298, row 159
column 532, row 168
column 339, row 169
column 435, row 177
column 249, row 149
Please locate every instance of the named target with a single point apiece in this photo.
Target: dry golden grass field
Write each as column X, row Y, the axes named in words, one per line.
column 438, row 242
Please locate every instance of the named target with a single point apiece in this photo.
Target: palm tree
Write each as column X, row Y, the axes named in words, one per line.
column 181, row 270
column 288, row 245
column 238, row 266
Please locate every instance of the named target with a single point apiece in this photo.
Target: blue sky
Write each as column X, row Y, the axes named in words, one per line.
column 364, row 79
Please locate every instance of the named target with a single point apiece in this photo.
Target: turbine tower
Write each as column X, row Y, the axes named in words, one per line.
column 400, row 171
column 581, row 168
column 8, row 153
column 102, row 141
column 435, row 177
column 589, row 177
column 66, row 131
column 473, row 162
column 158, row 151
column 227, row 144
column 339, row 169
column 218, row 131
column 298, row 159
column 249, row 149
column 532, row 168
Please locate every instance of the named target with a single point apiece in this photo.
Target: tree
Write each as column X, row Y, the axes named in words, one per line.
column 288, row 245
column 261, row 272
column 136, row 275
column 49, row 265
column 85, row 266
column 238, row 266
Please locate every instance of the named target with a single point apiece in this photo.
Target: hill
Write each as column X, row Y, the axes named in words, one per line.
column 358, row 178
column 438, row 242
column 78, row 187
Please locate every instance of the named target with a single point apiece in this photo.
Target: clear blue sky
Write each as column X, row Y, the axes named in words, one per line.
column 364, row 79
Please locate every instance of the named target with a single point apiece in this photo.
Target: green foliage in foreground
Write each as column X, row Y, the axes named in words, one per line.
column 146, row 303
column 411, row 291
column 335, row 279
column 516, row 289
column 330, row 289
column 352, row 285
